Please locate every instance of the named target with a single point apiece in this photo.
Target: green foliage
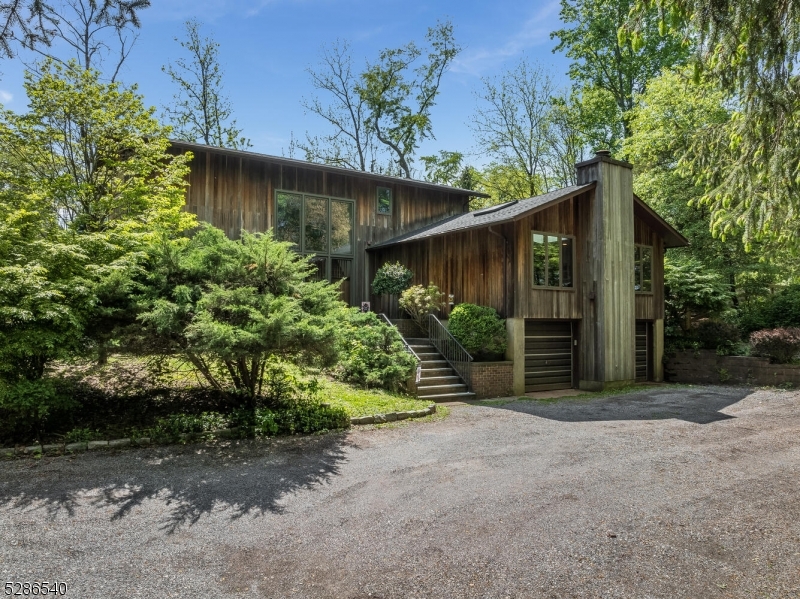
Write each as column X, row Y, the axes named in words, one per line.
column 775, row 311
column 27, row 405
column 419, row 302
column 479, row 329
column 621, row 66
column 399, row 97
column 81, row 434
column 370, row 352
column 779, row 345
column 228, row 306
column 391, row 279
column 750, row 165
column 692, row 292
column 718, row 335
column 444, row 168
column 199, row 111
column 301, row 418
column 174, row 425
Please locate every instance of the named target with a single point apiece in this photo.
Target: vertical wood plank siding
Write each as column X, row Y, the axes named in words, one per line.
column 650, row 306
column 235, row 193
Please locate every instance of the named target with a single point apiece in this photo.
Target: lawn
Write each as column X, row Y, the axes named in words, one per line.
column 365, row 402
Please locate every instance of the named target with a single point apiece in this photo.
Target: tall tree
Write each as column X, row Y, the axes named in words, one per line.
column 200, row 111
column 400, row 97
column 751, row 165
column 92, row 30
column 511, row 123
column 605, row 61
column 352, row 143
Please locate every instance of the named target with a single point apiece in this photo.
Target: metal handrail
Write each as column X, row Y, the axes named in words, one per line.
column 452, row 351
column 406, row 345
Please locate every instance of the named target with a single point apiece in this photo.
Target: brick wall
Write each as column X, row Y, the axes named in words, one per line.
column 706, row 366
column 493, row 379
column 408, row 328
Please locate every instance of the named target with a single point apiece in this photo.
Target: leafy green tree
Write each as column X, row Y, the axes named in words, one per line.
column 666, row 122
column 86, row 184
column 199, row 111
column 751, row 165
column 399, row 96
column 228, row 306
column 445, row 168
column 692, row 292
column 602, row 60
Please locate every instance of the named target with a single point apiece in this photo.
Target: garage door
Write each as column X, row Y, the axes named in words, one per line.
column 642, row 351
column 548, row 355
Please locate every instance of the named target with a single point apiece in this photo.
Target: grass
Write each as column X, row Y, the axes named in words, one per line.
column 366, row 402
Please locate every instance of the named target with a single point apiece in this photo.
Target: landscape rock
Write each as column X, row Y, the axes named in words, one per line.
column 33, row 449
column 380, row 418
column 142, row 441
column 117, row 443
column 391, row 416
column 97, row 445
column 52, row 448
column 362, row 420
column 7, row 452
column 76, row 447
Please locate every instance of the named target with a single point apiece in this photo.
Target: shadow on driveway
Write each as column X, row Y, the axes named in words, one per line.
column 251, row 478
column 701, row 405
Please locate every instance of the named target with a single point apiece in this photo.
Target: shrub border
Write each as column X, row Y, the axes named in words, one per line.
column 225, row 433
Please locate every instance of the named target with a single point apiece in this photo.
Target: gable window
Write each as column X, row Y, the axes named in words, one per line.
column 553, row 260
column 384, row 205
column 321, row 226
column 643, row 268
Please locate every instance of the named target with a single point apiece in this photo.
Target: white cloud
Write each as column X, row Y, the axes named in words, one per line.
column 5, row 97
column 534, row 32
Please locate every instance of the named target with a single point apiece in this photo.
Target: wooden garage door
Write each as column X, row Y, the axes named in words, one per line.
column 642, row 351
column 548, row 355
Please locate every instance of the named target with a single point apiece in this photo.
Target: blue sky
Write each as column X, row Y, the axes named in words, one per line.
column 266, row 46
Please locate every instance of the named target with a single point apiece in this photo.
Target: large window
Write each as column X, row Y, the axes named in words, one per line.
column 321, row 226
column 643, row 268
column 553, row 260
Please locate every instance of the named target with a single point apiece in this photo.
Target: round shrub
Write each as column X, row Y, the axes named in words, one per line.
column 391, row 279
column 371, row 353
column 779, row 345
column 479, row 329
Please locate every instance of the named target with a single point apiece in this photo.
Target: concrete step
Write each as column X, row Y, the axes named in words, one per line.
column 451, row 397
column 412, row 341
column 426, row 364
column 436, row 372
column 448, row 379
column 428, row 390
column 427, row 356
column 423, row 348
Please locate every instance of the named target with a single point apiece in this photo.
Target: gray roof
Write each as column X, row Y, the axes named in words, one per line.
column 489, row 216
column 189, row 145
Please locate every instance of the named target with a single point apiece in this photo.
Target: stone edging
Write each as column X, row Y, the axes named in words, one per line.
column 72, row 448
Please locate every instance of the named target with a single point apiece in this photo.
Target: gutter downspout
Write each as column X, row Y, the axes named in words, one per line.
column 505, row 270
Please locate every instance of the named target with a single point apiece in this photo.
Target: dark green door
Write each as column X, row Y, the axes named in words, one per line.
column 642, row 351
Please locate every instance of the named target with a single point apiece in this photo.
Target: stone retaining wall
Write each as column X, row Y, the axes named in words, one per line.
column 705, row 366
column 493, row 379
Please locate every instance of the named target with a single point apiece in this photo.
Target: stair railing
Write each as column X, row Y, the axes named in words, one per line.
column 452, row 351
column 406, row 345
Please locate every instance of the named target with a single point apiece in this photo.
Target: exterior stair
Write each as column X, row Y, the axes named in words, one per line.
column 439, row 382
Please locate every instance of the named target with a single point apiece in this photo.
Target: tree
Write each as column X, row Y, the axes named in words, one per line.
column 511, row 124
column 89, row 28
column 604, row 61
column 200, row 112
column 86, row 184
column 445, row 168
column 228, row 306
column 666, row 122
column 352, row 143
column 751, row 165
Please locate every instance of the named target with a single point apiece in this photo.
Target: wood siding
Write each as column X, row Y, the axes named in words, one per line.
column 650, row 306
column 235, row 193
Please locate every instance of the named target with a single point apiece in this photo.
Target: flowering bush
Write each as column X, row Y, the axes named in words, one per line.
column 420, row 301
column 391, row 279
column 779, row 345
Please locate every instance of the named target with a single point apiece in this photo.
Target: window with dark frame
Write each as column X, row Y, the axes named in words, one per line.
column 319, row 226
column 643, row 268
column 384, row 201
column 553, row 260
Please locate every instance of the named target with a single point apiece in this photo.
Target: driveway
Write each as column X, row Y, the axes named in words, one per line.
column 671, row 492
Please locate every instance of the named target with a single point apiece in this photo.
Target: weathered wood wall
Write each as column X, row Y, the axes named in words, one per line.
column 650, row 306
column 233, row 192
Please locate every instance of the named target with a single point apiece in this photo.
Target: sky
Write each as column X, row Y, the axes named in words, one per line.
column 266, row 46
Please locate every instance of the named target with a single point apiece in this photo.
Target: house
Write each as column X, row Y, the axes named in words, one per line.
column 577, row 273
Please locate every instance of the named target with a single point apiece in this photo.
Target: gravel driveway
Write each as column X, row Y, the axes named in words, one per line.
column 671, row 492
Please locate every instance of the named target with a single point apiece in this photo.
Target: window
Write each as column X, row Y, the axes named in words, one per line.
column 321, row 226
column 553, row 260
column 643, row 268
column 384, row 200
